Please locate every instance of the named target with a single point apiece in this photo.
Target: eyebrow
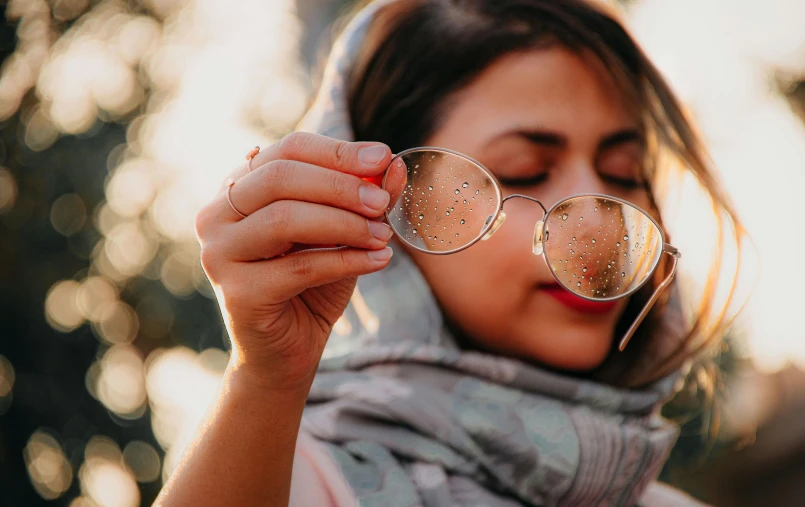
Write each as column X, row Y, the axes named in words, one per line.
column 549, row 138
column 620, row 137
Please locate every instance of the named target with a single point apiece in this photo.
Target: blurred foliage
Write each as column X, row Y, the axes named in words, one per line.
column 45, row 238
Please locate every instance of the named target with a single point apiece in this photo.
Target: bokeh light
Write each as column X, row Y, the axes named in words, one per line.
column 67, row 214
column 48, row 468
column 61, row 306
column 120, row 381
column 143, row 461
column 6, row 384
column 8, row 190
column 104, row 478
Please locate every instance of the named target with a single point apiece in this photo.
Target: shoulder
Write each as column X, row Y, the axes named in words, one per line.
column 316, row 478
column 658, row 494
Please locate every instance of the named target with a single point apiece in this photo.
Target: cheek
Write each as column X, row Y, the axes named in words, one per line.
column 484, row 287
column 481, row 276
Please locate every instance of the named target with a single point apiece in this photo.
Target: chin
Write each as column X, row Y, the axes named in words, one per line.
column 575, row 349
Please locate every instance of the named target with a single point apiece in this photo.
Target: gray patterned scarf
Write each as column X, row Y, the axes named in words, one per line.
column 411, row 419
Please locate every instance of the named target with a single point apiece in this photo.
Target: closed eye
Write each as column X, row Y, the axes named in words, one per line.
column 626, row 183
column 524, row 182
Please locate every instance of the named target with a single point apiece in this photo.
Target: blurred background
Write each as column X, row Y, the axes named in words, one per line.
column 119, row 118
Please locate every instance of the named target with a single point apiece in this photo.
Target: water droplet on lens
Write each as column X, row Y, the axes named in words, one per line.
column 618, row 243
column 564, row 217
column 457, row 191
column 447, row 213
column 596, row 209
column 584, row 269
column 609, row 265
column 421, row 217
column 623, row 274
column 465, row 184
column 430, row 188
column 593, row 242
column 578, row 284
column 477, row 192
column 462, row 221
column 626, row 238
column 414, row 231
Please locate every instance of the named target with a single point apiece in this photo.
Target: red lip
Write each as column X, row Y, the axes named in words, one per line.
column 578, row 304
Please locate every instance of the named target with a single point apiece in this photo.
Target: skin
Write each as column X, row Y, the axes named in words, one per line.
column 280, row 304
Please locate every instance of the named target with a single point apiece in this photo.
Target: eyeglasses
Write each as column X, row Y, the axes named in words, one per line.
column 598, row 247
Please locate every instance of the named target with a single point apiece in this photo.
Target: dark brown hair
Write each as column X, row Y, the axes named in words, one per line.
column 418, row 53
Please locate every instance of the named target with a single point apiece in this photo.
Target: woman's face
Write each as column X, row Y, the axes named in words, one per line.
column 549, row 124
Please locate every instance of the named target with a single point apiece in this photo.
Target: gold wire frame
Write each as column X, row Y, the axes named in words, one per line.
column 496, row 220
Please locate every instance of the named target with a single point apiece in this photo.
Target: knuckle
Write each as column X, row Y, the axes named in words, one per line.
column 276, row 174
column 341, row 155
column 301, row 265
column 348, row 224
column 278, row 217
column 293, row 144
column 237, row 296
column 210, row 260
column 340, row 184
column 206, row 219
column 344, row 259
column 201, row 222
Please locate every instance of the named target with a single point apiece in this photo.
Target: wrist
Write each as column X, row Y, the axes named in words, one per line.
column 243, row 382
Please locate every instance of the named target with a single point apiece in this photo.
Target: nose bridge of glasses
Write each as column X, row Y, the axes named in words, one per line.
column 526, row 197
column 536, row 241
column 538, row 228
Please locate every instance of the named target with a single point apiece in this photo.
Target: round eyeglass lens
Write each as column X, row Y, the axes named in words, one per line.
column 440, row 201
column 601, row 248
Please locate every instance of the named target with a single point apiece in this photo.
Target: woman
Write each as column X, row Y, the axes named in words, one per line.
column 468, row 379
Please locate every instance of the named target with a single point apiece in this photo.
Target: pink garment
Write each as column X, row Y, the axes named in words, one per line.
column 317, row 481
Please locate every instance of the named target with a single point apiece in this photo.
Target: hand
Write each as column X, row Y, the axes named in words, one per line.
column 280, row 299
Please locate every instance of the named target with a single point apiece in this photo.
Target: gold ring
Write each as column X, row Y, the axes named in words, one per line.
column 250, row 156
column 229, row 184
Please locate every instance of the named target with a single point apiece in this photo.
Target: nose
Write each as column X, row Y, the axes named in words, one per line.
column 579, row 176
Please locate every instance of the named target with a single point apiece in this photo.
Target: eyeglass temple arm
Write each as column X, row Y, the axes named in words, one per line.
column 675, row 255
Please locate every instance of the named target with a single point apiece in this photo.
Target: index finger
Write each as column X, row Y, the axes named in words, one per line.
column 362, row 159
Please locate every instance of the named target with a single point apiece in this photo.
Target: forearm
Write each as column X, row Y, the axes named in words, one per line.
column 243, row 452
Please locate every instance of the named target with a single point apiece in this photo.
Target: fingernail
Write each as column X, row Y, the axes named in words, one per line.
column 375, row 198
column 380, row 230
column 372, row 155
column 380, row 255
